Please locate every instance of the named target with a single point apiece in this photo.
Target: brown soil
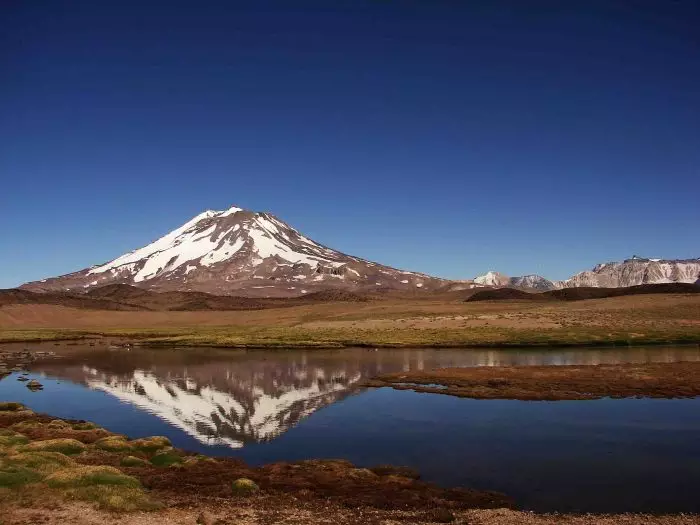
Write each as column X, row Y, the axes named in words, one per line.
column 659, row 380
column 261, row 510
column 128, row 298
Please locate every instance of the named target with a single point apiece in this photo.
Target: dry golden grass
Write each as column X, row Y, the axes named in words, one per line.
column 62, row 445
column 620, row 320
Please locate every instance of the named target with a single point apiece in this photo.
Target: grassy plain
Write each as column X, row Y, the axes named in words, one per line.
column 642, row 319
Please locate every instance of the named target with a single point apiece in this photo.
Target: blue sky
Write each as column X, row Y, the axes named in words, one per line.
column 446, row 137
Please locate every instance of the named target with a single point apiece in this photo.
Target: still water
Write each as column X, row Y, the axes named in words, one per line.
column 603, row 455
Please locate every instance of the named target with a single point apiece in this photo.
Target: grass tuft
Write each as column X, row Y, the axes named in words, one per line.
column 42, row 462
column 12, row 476
column 58, row 424
column 85, row 425
column 113, row 444
column 115, row 498
column 166, row 458
column 62, row 445
column 151, row 444
column 133, row 461
column 10, row 439
column 244, row 486
column 88, row 475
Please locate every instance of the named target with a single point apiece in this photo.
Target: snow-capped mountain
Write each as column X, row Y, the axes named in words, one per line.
column 492, row 278
column 239, row 252
column 630, row 272
column 636, row 271
column 534, row 282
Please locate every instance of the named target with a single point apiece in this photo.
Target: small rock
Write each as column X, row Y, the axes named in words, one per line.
column 22, row 378
column 35, row 385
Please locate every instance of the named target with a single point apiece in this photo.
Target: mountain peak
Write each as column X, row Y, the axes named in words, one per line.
column 239, row 252
column 492, row 278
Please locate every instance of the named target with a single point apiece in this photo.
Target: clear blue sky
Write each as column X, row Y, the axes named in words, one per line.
column 448, row 137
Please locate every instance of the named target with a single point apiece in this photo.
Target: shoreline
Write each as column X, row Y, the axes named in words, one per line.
column 38, row 450
column 553, row 383
column 147, row 481
column 195, row 340
column 85, row 474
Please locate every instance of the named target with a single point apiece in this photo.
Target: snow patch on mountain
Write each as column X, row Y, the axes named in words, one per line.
column 222, row 252
column 492, row 278
column 637, row 271
column 630, row 272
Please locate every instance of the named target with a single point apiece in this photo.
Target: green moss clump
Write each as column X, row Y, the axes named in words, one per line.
column 166, row 458
column 42, row 462
column 85, row 425
column 151, row 444
column 133, row 461
column 11, row 439
column 113, row 444
column 12, row 476
column 24, row 426
column 62, row 445
column 244, row 486
column 58, row 424
column 115, row 498
column 194, row 460
column 88, row 475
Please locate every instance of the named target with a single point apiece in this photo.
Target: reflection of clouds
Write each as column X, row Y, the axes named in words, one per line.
column 215, row 417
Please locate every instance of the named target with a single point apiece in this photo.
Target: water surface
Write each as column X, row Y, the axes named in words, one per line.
column 603, row 455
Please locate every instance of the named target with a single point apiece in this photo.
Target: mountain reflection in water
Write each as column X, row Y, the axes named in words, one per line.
column 234, row 398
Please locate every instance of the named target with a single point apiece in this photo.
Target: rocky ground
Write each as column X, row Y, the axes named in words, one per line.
column 255, row 511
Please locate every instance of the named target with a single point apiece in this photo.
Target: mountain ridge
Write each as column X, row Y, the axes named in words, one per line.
column 238, row 252
column 635, row 271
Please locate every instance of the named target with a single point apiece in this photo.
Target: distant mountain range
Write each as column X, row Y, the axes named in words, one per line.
column 630, row 272
column 245, row 253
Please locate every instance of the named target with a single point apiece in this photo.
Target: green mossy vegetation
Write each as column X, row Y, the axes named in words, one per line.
column 114, row 444
column 133, row 461
column 166, row 458
column 244, row 487
column 63, row 445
